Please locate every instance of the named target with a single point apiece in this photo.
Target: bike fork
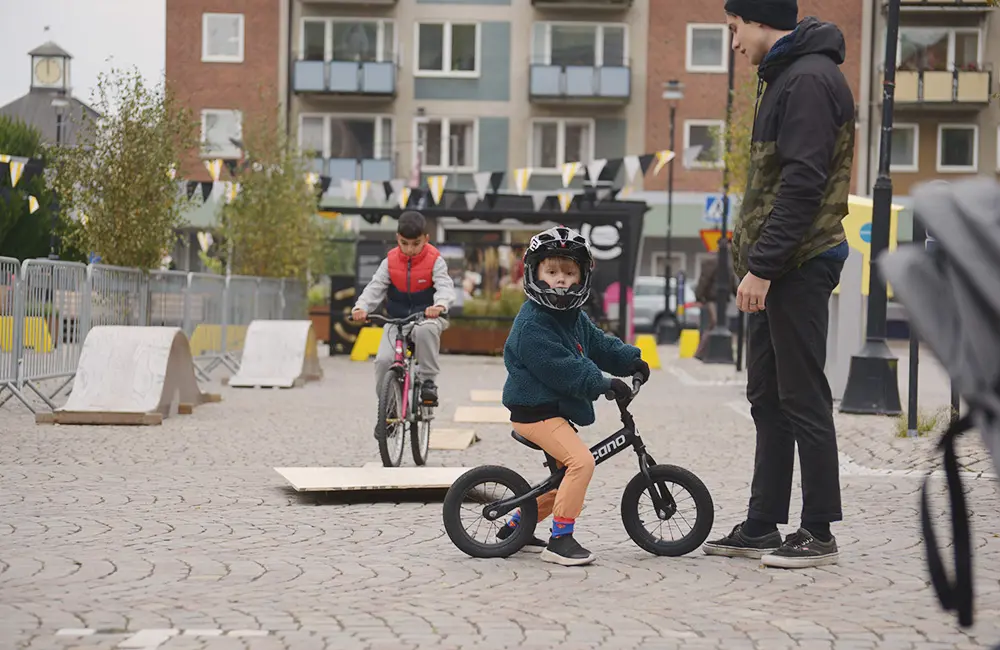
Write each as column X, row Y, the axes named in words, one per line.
column 663, row 501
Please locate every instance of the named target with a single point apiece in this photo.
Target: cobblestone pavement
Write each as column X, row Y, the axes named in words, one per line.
column 184, row 537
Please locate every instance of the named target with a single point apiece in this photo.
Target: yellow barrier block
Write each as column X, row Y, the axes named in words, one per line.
column 366, row 345
column 235, row 336
column 36, row 334
column 647, row 346
column 206, row 338
column 688, row 343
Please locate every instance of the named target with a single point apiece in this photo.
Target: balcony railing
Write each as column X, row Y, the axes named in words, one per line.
column 360, row 169
column 377, row 3
column 943, row 5
column 582, row 4
column 608, row 83
column 937, row 88
column 361, row 78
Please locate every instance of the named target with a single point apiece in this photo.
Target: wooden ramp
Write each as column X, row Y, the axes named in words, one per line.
column 493, row 396
column 452, row 439
column 340, row 479
column 278, row 354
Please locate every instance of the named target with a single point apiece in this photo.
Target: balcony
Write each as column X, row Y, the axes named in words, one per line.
column 968, row 89
column 582, row 4
column 352, row 3
column 583, row 83
column 942, row 5
column 346, row 78
column 360, row 169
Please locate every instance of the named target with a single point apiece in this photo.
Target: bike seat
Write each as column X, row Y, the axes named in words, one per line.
column 524, row 441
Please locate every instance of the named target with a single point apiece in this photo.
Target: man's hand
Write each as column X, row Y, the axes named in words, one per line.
column 433, row 311
column 358, row 315
column 751, row 294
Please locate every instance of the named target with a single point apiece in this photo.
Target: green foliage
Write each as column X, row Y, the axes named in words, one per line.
column 116, row 179
column 335, row 254
column 270, row 224
column 505, row 306
column 739, row 132
column 927, row 423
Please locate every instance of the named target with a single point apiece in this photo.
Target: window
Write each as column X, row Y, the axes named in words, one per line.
column 707, row 48
column 938, row 49
column 554, row 142
column 346, row 136
column 222, row 38
column 218, row 129
column 958, row 148
column 583, row 44
column 998, row 149
column 708, row 135
column 448, row 143
column 447, row 48
column 339, row 39
column 905, row 147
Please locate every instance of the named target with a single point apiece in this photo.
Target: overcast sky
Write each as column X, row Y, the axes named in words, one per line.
column 130, row 32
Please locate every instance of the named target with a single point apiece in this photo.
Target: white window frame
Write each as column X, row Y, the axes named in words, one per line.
column 328, row 24
column 221, row 58
column 949, row 169
column 952, row 31
column 915, row 166
column 446, row 143
column 689, row 64
column 545, row 58
column 694, row 164
column 562, row 123
column 378, row 144
column 446, row 50
column 656, row 259
column 228, row 154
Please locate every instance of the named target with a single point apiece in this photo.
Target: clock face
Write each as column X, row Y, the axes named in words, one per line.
column 48, row 70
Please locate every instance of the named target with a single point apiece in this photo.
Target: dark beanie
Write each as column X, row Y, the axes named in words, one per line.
column 779, row 14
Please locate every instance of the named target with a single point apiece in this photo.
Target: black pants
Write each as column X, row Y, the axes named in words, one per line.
column 790, row 396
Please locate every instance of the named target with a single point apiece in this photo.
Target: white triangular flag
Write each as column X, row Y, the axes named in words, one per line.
column 538, row 200
column 4, row 158
column 565, row 199
column 312, row 178
column 397, row 184
column 437, row 183
column 32, row 204
column 378, row 192
column 347, row 186
column 603, row 193
column 482, row 181
column 631, row 166
column 662, row 158
column 204, row 241
column 404, row 196
column 214, row 168
column 521, row 178
column 361, row 191
column 16, row 169
column 172, row 172
column 569, row 170
column 471, row 198
column 691, row 155
column 595, row 168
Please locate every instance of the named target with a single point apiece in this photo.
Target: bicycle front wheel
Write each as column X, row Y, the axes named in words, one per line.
column 684, row 528
column 420, row 440
column 391, row 428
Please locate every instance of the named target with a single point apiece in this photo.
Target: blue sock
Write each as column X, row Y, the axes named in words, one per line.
column 562, row 526
column 515, row 519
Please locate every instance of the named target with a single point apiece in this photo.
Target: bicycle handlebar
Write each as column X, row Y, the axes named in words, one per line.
column 636, row 385
column 396, row 321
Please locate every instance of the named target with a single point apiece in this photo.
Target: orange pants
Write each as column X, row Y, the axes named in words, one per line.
column 560, row 440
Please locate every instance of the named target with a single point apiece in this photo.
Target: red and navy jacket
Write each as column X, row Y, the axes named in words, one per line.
column 411, row 281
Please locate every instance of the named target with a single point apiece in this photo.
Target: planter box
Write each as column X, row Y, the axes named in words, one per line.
column 320, row 317
column 462, row 337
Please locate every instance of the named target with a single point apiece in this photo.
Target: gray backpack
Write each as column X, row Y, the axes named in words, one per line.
column 951, row 292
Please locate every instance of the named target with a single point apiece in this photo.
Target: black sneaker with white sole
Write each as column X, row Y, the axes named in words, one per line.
column 429, row 393
column 534, row 544
column 739, row 544
column 802, row 550
column 566, row 551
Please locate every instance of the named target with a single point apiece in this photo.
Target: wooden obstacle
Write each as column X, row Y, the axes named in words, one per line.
column 131, row 375
column 482, row 414
column 486, row 395
column 452, row 439
column 349, row 479
column 278, row 354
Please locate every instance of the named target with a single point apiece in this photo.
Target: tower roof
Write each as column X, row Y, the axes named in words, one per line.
column 50, row 49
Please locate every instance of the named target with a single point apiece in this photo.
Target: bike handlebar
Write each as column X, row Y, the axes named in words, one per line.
column 396, row 321
column 636, row 385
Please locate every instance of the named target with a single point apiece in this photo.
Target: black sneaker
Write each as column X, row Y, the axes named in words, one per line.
column 566, row 551
column 429, row 393
column 802, row 550
column 738, row 544
column 534, row 544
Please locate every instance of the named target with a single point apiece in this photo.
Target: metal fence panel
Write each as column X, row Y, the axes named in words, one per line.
column 268, row 299
column 206, row 299
column 10, row 275
column 295, row 303
column 169, row 305
column 118, row 296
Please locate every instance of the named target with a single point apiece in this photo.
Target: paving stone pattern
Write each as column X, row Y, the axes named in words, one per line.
column 183, row 537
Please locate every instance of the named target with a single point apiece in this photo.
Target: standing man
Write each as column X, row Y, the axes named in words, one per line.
column 789, row 248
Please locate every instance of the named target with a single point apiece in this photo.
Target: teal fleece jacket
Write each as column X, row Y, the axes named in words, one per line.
column 555, row 358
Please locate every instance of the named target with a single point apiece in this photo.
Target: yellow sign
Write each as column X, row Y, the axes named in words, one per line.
column 328, row 214
column 858, row 226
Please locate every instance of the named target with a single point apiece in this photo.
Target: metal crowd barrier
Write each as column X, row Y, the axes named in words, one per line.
column 10, row 276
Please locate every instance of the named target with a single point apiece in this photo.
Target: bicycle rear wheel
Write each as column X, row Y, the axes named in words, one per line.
column 469, row 494
column 391, row 428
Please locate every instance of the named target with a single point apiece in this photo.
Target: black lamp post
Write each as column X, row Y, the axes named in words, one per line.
column 669, row 329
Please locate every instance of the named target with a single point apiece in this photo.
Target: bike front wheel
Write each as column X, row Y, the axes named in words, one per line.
column 692, row 509
column 473, row 533
column 390, row 429
column 420, row 440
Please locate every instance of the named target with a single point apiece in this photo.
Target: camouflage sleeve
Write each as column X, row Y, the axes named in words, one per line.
column 807, row 138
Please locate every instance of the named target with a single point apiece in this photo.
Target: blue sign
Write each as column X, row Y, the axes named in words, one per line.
column 713, row 209
column 93, row 258
column 866, row 233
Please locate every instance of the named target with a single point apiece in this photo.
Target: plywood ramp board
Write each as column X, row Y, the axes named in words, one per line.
column 335, row 479
column 278, row 354
column 482, row 414
column 486, row 395
column 452, row 439
column 131, row 375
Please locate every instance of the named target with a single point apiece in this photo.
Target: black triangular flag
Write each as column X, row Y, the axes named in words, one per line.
column 324, row 183
column 645, row 161
column 231, row 165
column 610, row 171
column 496, row 179
column 387, row 188
column 4, row 174
column 191, row 187
column 206, row 190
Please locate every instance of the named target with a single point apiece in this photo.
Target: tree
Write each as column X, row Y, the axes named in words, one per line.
column 270, row 225
column 739, row 132
column 118, row 180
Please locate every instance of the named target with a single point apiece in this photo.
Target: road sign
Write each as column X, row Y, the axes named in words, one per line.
column 710, row 238
column 714, row 208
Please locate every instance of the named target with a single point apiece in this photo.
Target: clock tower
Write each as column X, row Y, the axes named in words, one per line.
column 50, row 68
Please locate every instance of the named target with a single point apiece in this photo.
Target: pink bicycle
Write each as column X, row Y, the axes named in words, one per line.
column 399, row 404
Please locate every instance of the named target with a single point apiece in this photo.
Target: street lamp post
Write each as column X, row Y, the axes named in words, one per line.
column 669, row 330
column 59, row 105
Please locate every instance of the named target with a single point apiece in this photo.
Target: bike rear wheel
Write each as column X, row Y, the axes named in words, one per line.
column 390, row 429
column 474, row 490
column 637, row 508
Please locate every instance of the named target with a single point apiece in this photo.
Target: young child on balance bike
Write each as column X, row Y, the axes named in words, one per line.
column 554, row 356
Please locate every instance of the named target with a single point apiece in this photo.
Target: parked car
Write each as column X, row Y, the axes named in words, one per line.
column 649, row 304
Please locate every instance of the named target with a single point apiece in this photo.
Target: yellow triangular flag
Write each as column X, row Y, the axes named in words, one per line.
column 232, row 189
column 32, row 204
column 361, row 191
column 214, row 168
column 312, row 178
column 521, row 177
column 437, row 183
column 16, row 169
column 84, row 218
column 404, row 196
column 625, row 191
column 172, row 172
column 569, row 170
column 565, row 198
column 662, row 158
column 4, row 158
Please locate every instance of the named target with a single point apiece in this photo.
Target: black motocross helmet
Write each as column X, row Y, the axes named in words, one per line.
column 558, row 242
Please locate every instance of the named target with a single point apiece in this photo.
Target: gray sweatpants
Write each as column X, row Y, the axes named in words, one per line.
column 427, row 339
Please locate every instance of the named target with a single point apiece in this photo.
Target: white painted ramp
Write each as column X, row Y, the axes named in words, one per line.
column 278, row 354
column 339, row 479
column 131, row 375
